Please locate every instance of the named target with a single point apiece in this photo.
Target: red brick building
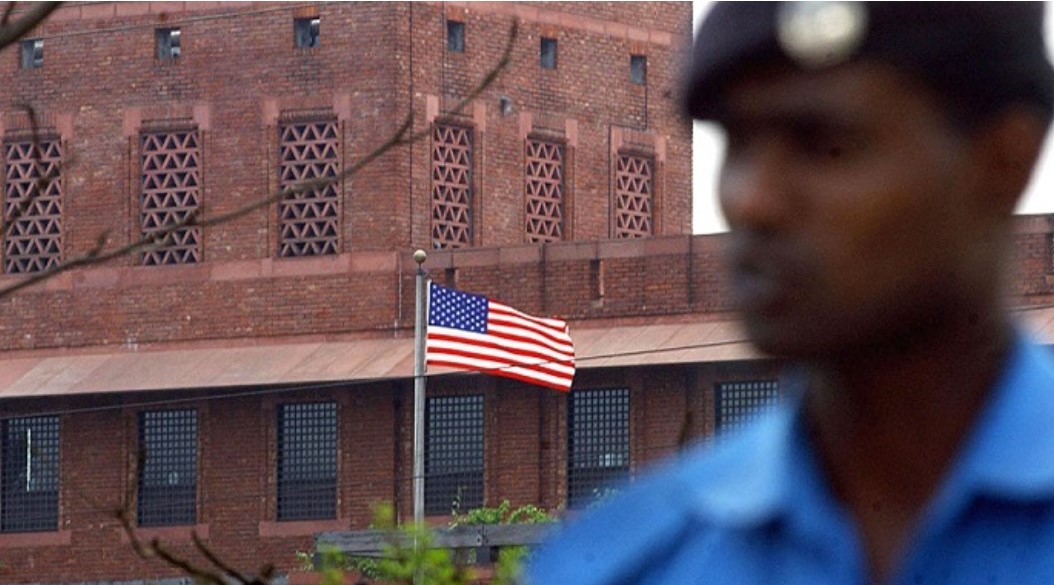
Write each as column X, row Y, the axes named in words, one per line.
column 251, row 380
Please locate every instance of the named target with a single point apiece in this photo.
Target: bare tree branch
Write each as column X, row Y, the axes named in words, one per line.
column 15, row 30
column 7, row 13
column 97, row 256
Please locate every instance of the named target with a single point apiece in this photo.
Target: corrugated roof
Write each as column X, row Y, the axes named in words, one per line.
column 128, row 370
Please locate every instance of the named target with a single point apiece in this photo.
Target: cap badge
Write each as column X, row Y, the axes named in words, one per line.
column 821, row 34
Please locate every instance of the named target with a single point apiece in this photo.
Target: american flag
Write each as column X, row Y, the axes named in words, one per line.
column 471, row 332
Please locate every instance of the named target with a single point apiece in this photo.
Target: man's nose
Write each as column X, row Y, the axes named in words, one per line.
column 756, row 189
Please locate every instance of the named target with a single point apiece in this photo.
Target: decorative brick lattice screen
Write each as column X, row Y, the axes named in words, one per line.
column 545, row 191
column 451, row 186
column 171, row 192
column 309, row 221
column 634, row 180
column 32, row 205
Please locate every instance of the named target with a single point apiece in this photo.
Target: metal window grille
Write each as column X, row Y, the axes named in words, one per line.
column 453, row 453
column 308, row 220
column 597, row 443
column 32, row 205
column 545, row 191
column 451, row 186
column 638, row 69
column 739, row 403
column 307, row 32
column 32, row 53
column 168, row 478
column 307, row 461
column 167, row 43
column 170, row 179
column 547, row 53
column 455, row 36
column 633, row 196
column 29, row 475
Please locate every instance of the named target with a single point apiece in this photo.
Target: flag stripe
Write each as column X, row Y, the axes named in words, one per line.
column 522, row 374
column 439, row 341
column 468, row 331
column 556, row 327
column 446, row 350
column 504, row 326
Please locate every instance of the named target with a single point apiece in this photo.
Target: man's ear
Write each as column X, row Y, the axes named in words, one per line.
column 1008, row 147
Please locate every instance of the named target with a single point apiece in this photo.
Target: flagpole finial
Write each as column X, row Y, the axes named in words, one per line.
column 420, row 256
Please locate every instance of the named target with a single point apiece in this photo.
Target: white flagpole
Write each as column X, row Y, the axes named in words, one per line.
column 419, row 390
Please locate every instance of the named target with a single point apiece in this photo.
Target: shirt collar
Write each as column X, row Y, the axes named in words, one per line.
column 1008, row 454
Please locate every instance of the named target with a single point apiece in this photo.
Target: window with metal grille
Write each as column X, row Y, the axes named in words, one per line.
column 545, row 191
column 455, row 36
column 547, row 53
column 597, row 443
column 170, row 179
column 739, row 403
column 307, row 461
column 167, row 44
column 307, row 32
column 29, row 475
column 453, row 453
column 308, row 219
column 168, row 476
column 32, row 53
column 451, row 186
column 633, row 196
column 638, row 69
column 32, row 205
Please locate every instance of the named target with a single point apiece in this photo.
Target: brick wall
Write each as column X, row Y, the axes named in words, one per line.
column 239, row 73
column 525, row 462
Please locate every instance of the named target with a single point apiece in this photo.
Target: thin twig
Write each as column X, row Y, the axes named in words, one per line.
column 16, row 29
column 7, row 13
column 216, row 560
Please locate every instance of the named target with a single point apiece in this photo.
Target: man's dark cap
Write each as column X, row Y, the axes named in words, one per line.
column 986, row 55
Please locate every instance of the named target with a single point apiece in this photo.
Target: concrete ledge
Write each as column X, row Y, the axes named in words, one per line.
column 35, row 539
column 300, row 528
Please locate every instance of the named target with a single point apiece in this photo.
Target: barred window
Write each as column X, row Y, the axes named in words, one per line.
column 307, row 32
column 455, row 36
column 547, row 53
column 597, row 443
column 167, row 44
column 638, row 69
column 739, row 403
column 634, row 177
column 453, row 453
column 451, row 186
column 32, row 53
column 307, row 461
column 309, row 220
column 168, row 476
column 171, row 193
column 545, row 191
column 29, row 475
column 32, row 205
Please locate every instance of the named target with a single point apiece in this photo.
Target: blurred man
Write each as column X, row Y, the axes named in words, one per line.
column 875, row 154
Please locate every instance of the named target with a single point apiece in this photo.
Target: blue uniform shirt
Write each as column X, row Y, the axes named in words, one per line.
column 755, row 509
